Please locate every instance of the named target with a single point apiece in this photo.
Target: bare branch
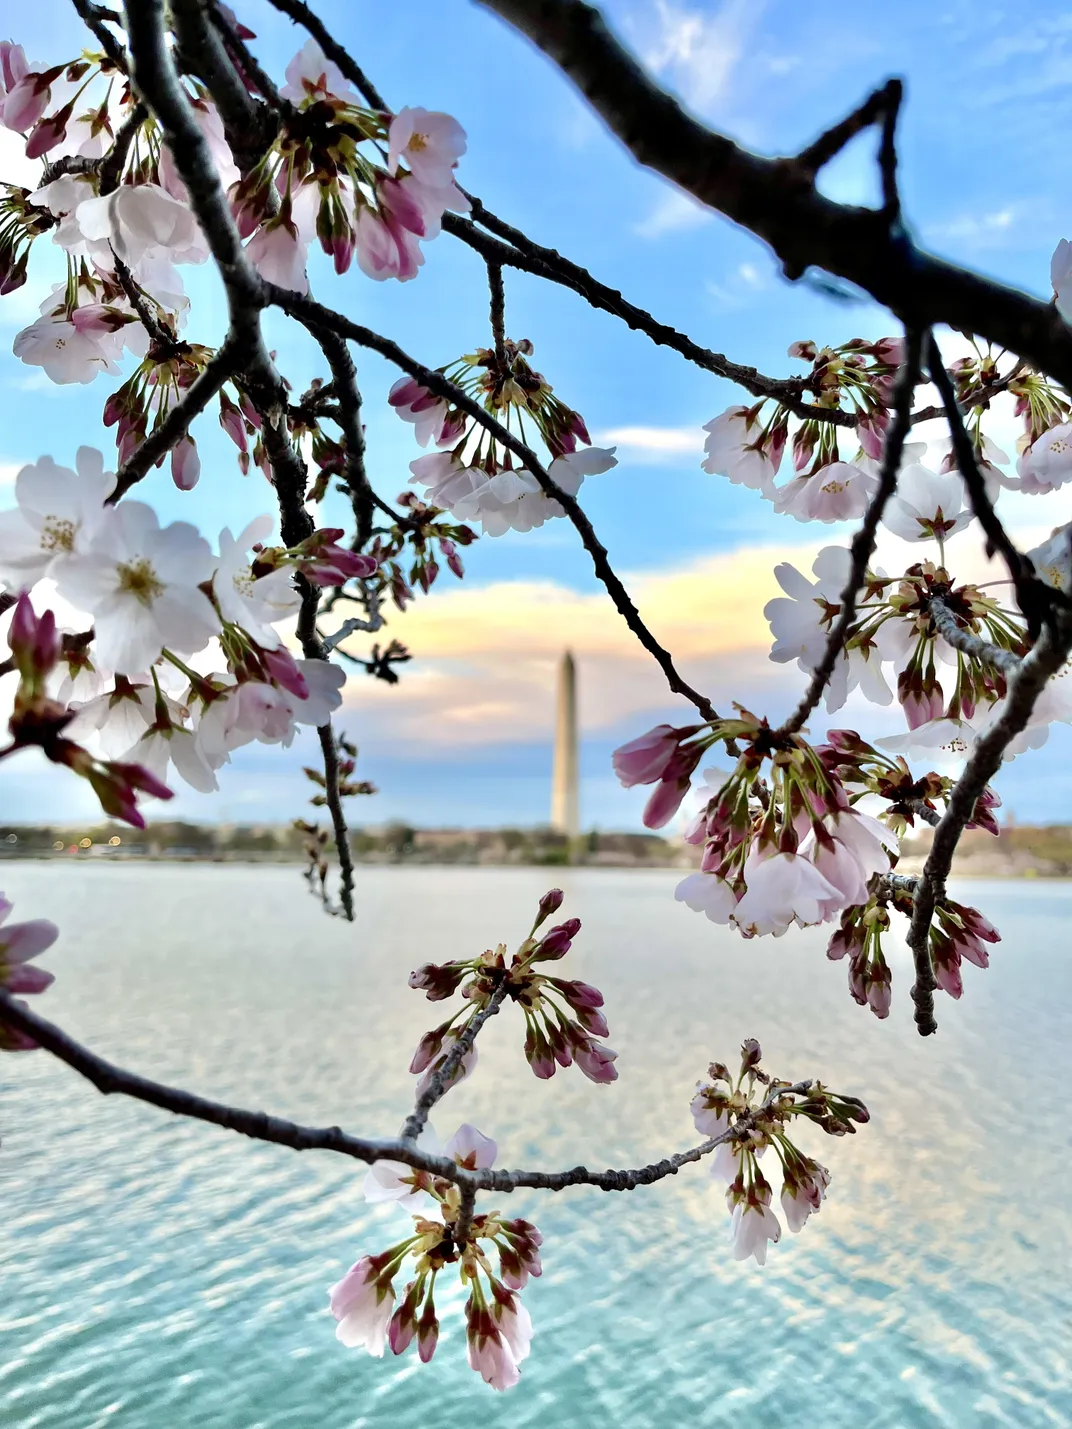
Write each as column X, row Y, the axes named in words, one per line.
column 947, row 627
column 110, row 1079
column 775, row 201
column 498, row 311
column 330, row 751
column 863, row 543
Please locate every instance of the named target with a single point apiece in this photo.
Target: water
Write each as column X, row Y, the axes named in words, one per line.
column 158, row 1272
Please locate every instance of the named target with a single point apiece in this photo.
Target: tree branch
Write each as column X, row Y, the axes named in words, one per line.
column 1027, row 683
column 946, row 625
column 338, row 819
column 777, row 202
column 441, row 1080
column 110, row 1079
column 314, row 315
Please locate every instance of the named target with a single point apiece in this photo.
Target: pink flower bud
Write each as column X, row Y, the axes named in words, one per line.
column 185, row 464
column 283, row 671
column 664, row 802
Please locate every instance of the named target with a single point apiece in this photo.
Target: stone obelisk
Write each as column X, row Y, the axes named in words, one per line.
column 565, row 815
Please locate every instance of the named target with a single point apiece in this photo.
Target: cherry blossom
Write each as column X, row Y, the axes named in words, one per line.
column 311, row 77
column 738, row 447
column 363, row 1306
column 141, row 583
column 430, row 143
column 1047, row 463
column 279, row 253
column 800, row 622
column 840, row 491
column 926, row 505
column 19, row 943
column 752, row 1227
column 781, row 889
column 1053, row 559
column 708, row 894
column 140, row 222
column 58, row 514
column 804, row 1194
column 255, row 603
column 66, row 352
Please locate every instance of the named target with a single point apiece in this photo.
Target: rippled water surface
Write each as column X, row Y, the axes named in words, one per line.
column 157, row 1272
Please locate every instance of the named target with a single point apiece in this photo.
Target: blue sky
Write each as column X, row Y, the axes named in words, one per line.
column 465, row 738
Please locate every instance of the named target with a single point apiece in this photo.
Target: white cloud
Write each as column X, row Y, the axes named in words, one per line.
column 736, row 291
column 699, row 52
column 673, row 213
column 983, row 230
column 9, row 470
column 654, row 443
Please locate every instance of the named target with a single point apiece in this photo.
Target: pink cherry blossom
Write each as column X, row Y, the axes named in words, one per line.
column 781, row 889
column 185, row 464
column 804, row 1195
column 838, row 492
column 363, row 1308
column 279, row 253
column 430, row 143
column 66, row 354
column 311, row 76
column 735, row 448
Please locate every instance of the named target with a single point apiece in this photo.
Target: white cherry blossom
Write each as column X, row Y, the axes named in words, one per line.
column 927, row 505
column 1047, row 463
column 57, row 515
column 838, row 492
column 708, row 894
column 1053, row 559
column 782, row 888
column 362, row 1309
column 730, row 451
column 140, row 582
column 752, row 1228
column 67, row 353
column 139, row 222
column 255, row 604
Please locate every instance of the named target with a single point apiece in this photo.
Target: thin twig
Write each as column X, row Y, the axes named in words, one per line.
column 863, row 543
column 442, row 1078
column 333, row 798
column 498, row 312
column 314, row 315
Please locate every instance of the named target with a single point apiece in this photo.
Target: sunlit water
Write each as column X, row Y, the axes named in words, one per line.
column 157, row 1272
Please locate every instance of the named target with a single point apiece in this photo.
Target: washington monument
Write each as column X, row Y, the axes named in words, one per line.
column 565, row 814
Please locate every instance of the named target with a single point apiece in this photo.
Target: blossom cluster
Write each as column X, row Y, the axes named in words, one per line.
column 563, row 1017
column 153, row 597
column 745, row 1116
column 371, row 1315
column 472, row 474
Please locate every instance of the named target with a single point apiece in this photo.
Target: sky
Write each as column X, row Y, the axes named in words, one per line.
column 465, row 737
